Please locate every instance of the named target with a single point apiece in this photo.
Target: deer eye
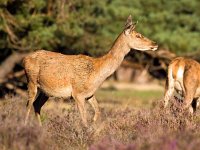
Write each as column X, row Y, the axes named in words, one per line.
column 139, row 36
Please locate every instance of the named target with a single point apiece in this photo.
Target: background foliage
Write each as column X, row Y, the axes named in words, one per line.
column 90, row 27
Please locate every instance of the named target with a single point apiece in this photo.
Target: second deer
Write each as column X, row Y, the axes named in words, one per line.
column 184, row 79
column 78, row 76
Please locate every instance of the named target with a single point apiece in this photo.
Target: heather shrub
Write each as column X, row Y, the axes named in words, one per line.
column 67, row 130
column 155, row 128
column 14, row 135
column 120, row 128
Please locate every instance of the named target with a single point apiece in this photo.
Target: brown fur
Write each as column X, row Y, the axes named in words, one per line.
column 78, row 76
column 188, row 85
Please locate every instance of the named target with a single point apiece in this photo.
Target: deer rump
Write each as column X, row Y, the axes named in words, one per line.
column 184, row 77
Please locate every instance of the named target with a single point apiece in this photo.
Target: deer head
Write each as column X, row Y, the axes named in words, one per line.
column 136, row 40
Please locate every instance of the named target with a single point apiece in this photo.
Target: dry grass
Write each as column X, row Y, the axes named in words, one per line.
column 121, row 128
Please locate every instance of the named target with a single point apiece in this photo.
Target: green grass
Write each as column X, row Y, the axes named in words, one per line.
column 128, row 97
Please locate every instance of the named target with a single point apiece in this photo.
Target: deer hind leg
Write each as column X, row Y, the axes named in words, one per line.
column 38, row 103
column 32, row 92
column 187, row 103
column 81, row 106
column 95, row 106
column 169, row 90
column 190, row 85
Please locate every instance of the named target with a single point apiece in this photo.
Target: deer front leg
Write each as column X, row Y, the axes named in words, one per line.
column 95, row 106
column 197, row 102
column 80, row 101
column 32, row 92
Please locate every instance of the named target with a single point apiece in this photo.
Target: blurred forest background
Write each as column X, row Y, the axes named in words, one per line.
column 90, row 27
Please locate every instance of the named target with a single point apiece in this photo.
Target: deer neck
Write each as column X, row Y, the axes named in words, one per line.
column 112, row 60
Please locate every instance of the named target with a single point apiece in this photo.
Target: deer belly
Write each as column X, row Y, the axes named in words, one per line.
column 54, row 87
column 63, row 92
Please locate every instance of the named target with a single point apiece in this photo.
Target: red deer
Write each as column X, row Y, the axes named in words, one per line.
column 78, row 76
column 184, row 79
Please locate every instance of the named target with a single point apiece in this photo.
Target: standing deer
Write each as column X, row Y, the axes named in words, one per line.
column 77, row 76
column 184, row 79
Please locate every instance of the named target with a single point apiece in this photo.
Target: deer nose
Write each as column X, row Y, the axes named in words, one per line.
column 154, row 46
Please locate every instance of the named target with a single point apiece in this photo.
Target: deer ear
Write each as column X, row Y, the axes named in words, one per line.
column 129, row 26
column 128, row 22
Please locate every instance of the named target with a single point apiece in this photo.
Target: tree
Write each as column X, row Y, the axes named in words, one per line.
column 91, row 26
